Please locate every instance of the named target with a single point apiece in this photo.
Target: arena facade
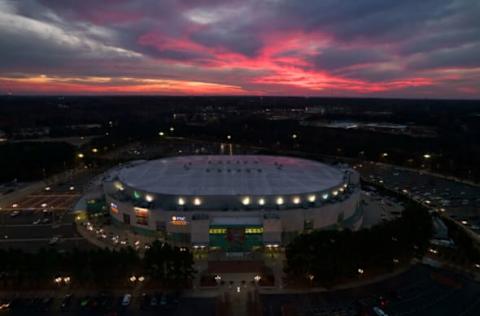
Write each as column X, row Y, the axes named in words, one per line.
column 236, row 203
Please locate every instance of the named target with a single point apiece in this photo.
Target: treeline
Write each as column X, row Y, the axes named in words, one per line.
column 27, row 161
column 162, row 265
column 330, row 256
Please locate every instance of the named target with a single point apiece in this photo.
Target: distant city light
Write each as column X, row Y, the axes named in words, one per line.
column 80, row 155
column 385, row 155
column 197, row 201
column 312, row 198
column 279, row 201
column 148, row 198
column 161, row 133
column 296, row 200
column 261, row 201
column 94, row 150
column 427, row 156
column 294, row 136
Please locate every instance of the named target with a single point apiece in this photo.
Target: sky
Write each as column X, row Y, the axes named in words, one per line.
column 367, row 48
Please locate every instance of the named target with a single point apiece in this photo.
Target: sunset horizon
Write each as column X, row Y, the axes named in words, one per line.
column 241, row 48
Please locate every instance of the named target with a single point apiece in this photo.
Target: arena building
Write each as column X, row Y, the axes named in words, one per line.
column 235, row 203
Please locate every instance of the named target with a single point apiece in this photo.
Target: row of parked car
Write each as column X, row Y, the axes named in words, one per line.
column 103, row 301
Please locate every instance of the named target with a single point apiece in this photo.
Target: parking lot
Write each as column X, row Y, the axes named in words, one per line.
column 64, row 302
column 42, row 218
column 458, row 200
column 419, row 291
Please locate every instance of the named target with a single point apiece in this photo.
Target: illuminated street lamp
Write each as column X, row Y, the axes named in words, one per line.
column 80, row 155
column 141, row 278
column 94, row 150
column 294, row 136
column 229, row 137
column 161, row 134
column 257, row 278
column 360, row 271
column 218, row 279
column 427, row 156
column 133, row 278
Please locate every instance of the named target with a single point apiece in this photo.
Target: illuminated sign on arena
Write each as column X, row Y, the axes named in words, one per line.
column 179, row 220
column 114, row 208
column 141, row 215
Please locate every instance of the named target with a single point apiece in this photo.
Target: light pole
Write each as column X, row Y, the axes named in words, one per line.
column 218, row 279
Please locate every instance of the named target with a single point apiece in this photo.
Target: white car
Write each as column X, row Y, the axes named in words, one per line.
column 54, row 240
column 379, row 312
column 126, row 299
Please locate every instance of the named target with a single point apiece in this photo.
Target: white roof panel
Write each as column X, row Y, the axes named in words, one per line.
column 231, row 175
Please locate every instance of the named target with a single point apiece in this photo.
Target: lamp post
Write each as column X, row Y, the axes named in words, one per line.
column 257, row 279
column 218, row 279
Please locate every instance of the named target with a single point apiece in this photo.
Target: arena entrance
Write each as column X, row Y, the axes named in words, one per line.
column 236, row 234
column 236, row 238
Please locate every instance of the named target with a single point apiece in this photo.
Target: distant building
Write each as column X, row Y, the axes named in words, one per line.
column 31, row 132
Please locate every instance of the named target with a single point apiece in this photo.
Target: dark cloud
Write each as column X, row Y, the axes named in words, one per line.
column 333, row 58
column 367, row 42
